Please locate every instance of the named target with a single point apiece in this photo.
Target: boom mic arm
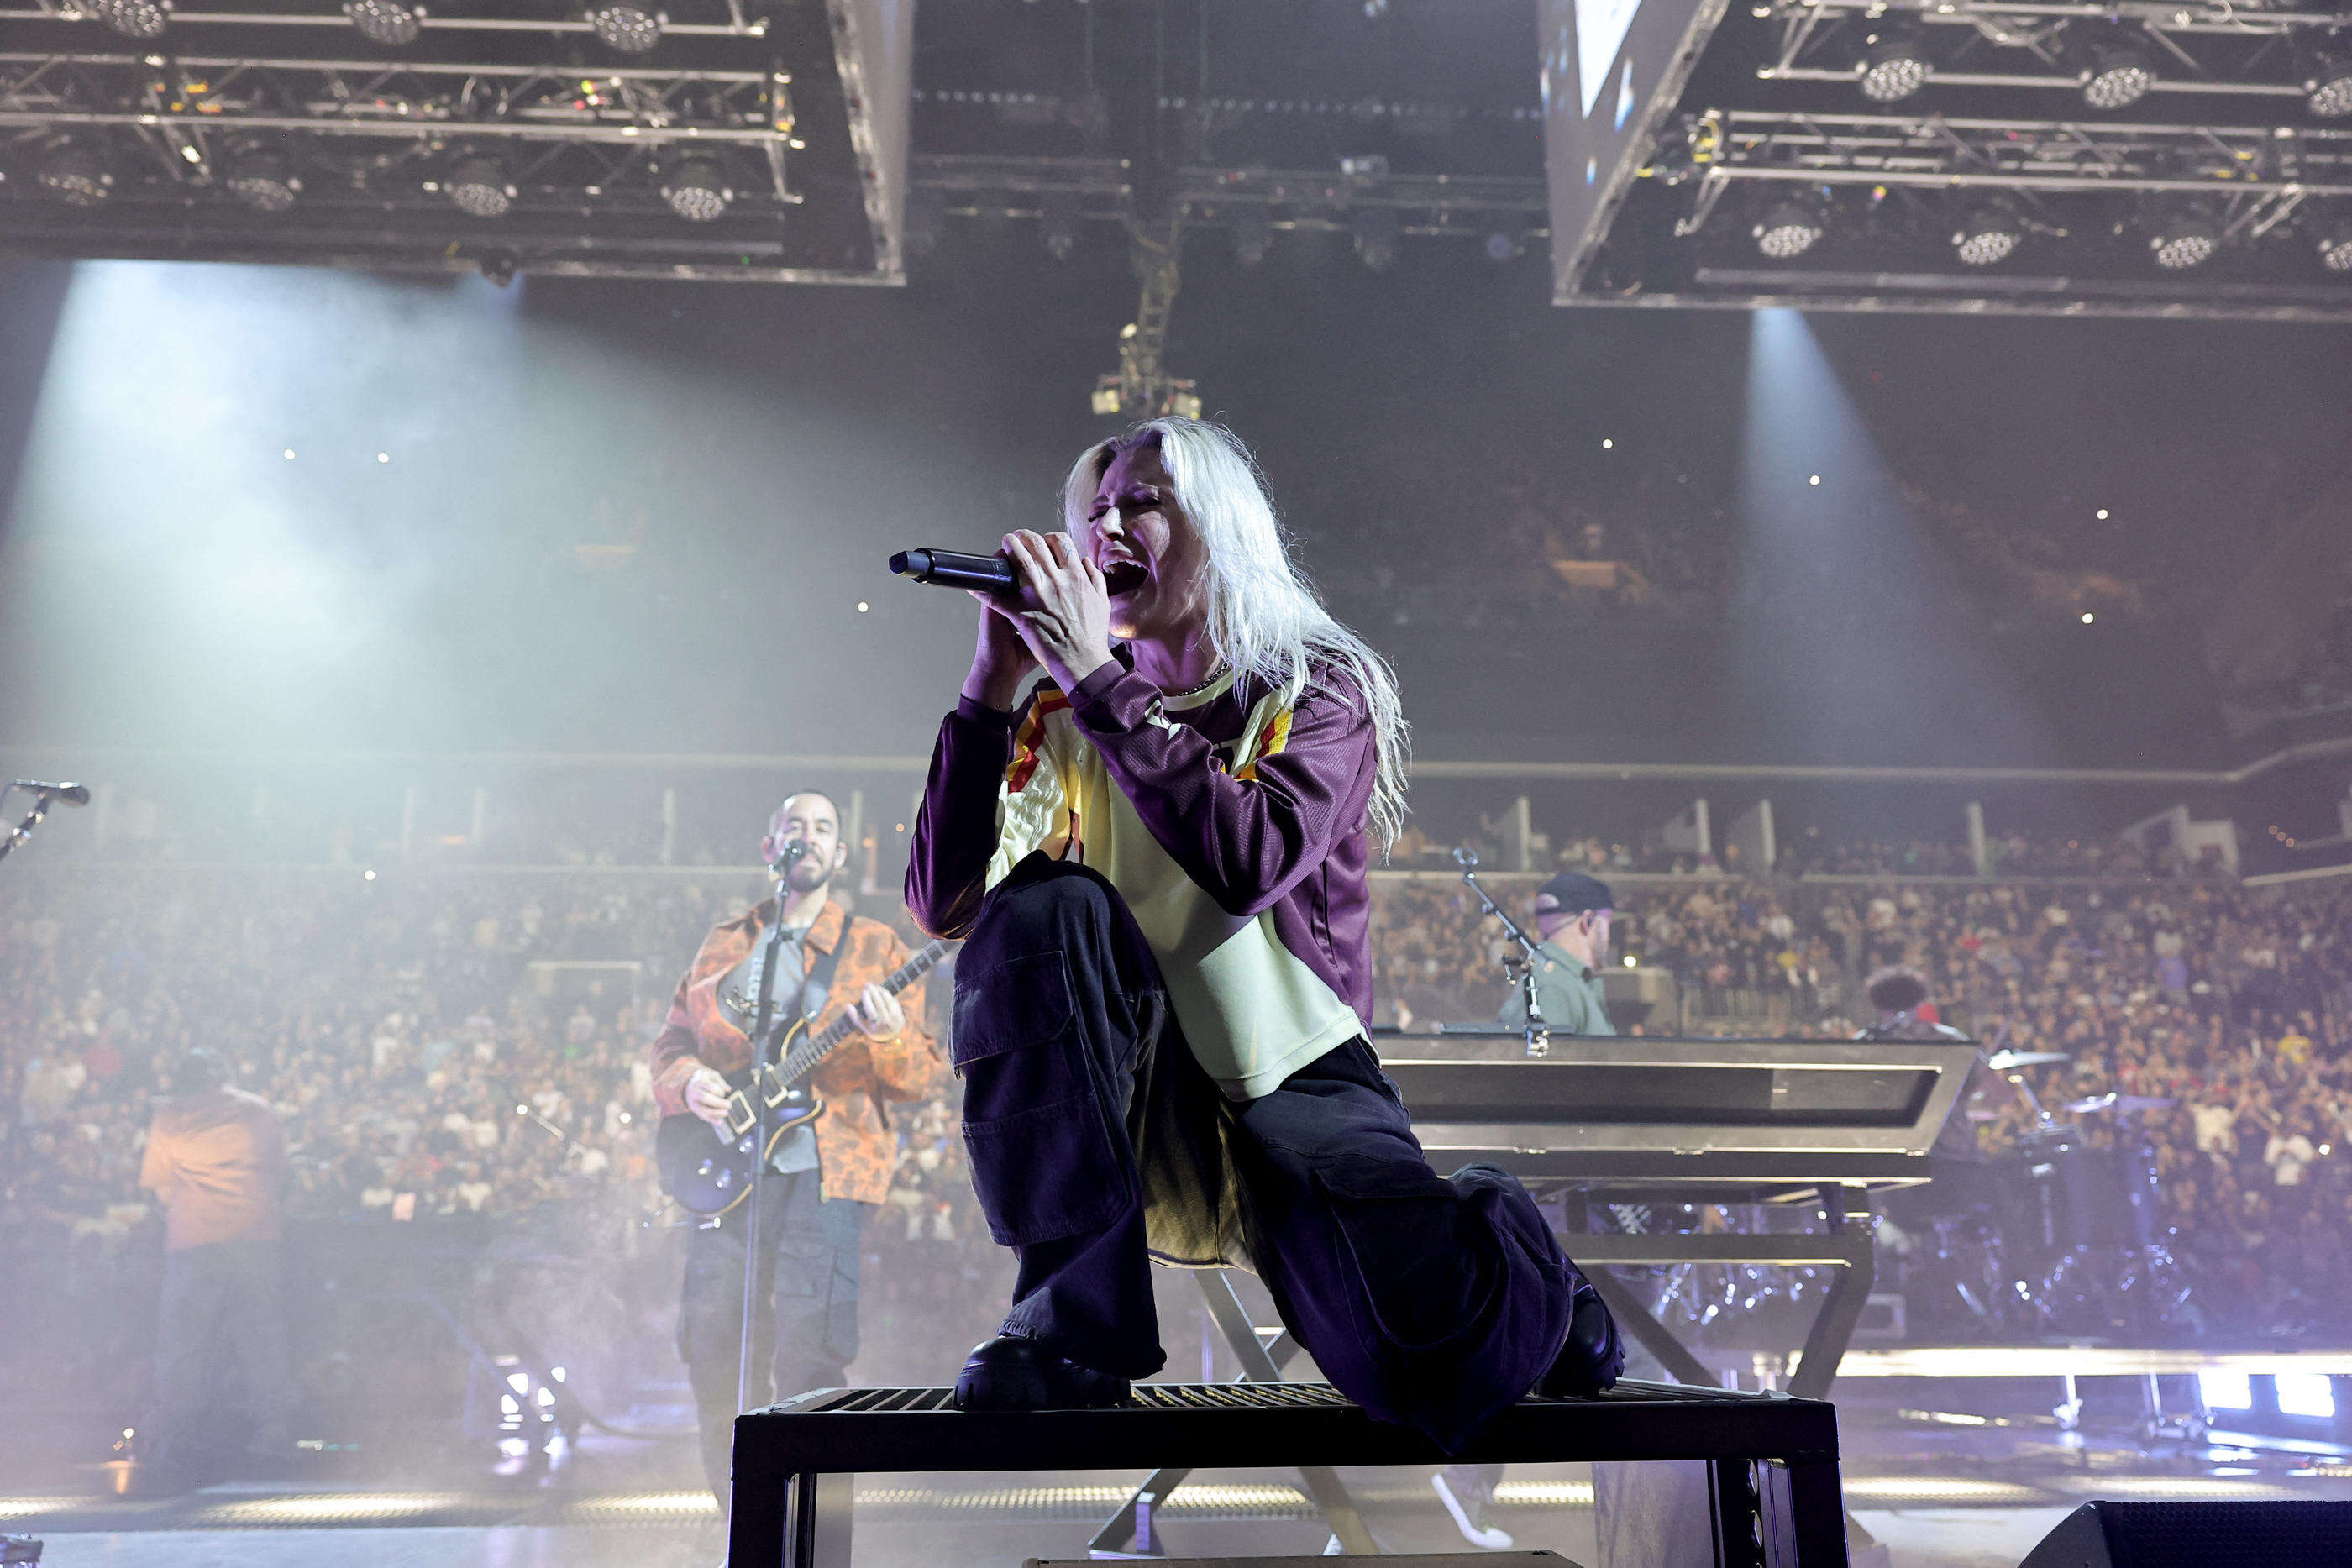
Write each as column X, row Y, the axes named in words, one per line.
column 63, row 794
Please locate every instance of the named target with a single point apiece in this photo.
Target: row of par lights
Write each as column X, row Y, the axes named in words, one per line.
column 626, row 29
column 1991, row 232
column 2116, row 74
column 695, row 187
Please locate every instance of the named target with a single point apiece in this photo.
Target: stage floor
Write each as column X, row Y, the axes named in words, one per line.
column 1970, row 1538
column 1957, row 1515
column 1962, row 1474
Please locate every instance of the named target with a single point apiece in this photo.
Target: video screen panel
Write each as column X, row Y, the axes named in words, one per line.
column 1610, row 70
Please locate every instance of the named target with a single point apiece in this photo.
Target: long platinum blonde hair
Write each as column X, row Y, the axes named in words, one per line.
column 1265, row 621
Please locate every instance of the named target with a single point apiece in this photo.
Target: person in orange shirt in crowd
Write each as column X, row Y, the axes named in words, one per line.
column 215, row 1158
column 824, row 1179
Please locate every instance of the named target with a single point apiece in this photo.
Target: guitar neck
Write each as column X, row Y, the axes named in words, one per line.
column 805, row 1057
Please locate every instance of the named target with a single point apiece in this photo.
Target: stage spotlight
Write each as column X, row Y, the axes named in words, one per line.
column 2181, row 242
column 1787, row 230
column 2226, row 1390
column 2330, row 86
column 1987, row 237
column 1376, row 237
column 263, row 182
column 387, row 22
column 131, row 18
column 1894, row 68
column 1253, row 236
column 697, row 190
column 630, row 30
column 76, row 176
column 2305, row 1393
column 2336, row 245
column 1058, row 226
column 478, row 187
column 2119, row 77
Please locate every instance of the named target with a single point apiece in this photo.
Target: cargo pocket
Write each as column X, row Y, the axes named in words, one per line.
column 1046, row 1171
column 1427, row 1278
column 1022, row 1001
column 1040, row 1142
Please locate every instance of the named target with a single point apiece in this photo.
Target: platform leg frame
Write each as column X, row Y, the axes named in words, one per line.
column 1130, row 1533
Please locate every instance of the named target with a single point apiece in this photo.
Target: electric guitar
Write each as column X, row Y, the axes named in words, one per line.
column 707, row 1170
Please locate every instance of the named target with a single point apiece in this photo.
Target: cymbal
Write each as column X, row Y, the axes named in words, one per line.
column 2003, row 1061
column 2128, row 1104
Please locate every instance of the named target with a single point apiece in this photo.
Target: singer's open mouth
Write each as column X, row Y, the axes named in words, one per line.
column 1124, row 577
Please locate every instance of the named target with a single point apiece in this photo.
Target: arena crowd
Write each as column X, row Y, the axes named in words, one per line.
column 453, row 1044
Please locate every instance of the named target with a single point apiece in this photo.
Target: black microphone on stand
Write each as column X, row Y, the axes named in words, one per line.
column 787, row 857
column 65, row 794
column 954, row 569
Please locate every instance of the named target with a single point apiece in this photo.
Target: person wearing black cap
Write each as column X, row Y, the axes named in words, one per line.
column 1572, row 915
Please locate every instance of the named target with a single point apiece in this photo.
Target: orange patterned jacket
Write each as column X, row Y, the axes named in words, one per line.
column 855, row 1146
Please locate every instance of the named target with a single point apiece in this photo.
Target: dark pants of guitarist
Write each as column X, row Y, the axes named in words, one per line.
column 804, row 1331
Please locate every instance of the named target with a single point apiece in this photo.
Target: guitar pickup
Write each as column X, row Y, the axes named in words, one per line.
column 740, row 1117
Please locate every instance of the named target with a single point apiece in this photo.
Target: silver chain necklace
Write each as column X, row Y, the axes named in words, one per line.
column 1214, row 676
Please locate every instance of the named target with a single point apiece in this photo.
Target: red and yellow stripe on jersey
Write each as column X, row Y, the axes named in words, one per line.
column 1271, row 739
column 1023, row 766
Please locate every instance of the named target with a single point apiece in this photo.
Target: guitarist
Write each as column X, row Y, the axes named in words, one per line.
column 823, row 1180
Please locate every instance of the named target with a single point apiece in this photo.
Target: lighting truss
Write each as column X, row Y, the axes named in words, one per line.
column 1940, row 152
column 714, row 19
column 2084, row 175
column 682, row 140
column 1450, row 207
column 2111, row 56
column 377, row 135
column 1257, row 204
column 1979, row 156
column 200, row 96
column 1912, row 196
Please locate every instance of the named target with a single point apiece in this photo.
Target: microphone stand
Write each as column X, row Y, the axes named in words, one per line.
column 763, row 1045
column 1520, row 970
column 22, row 831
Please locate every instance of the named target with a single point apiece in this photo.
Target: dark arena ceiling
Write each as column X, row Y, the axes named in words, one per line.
column 2187, row 158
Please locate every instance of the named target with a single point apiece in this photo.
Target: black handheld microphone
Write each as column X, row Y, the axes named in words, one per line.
column 954, row 569
column 65, row 794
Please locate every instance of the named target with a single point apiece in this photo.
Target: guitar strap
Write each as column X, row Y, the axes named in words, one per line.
column 821, row 972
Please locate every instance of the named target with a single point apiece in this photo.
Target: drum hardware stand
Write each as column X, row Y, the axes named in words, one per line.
column 1521, row 970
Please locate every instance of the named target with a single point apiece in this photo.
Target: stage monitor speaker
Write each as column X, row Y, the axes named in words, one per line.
column 2198, row 1535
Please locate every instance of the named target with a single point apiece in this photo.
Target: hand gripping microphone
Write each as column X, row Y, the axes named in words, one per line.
column 954, row 569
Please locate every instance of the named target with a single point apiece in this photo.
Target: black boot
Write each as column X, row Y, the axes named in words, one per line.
column 1010, row 1373
column 1591, row 1357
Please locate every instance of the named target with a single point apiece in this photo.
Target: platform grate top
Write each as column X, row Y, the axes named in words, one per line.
column 1255, row 1397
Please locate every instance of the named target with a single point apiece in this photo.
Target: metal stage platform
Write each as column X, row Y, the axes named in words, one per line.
column 1772, row 1459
